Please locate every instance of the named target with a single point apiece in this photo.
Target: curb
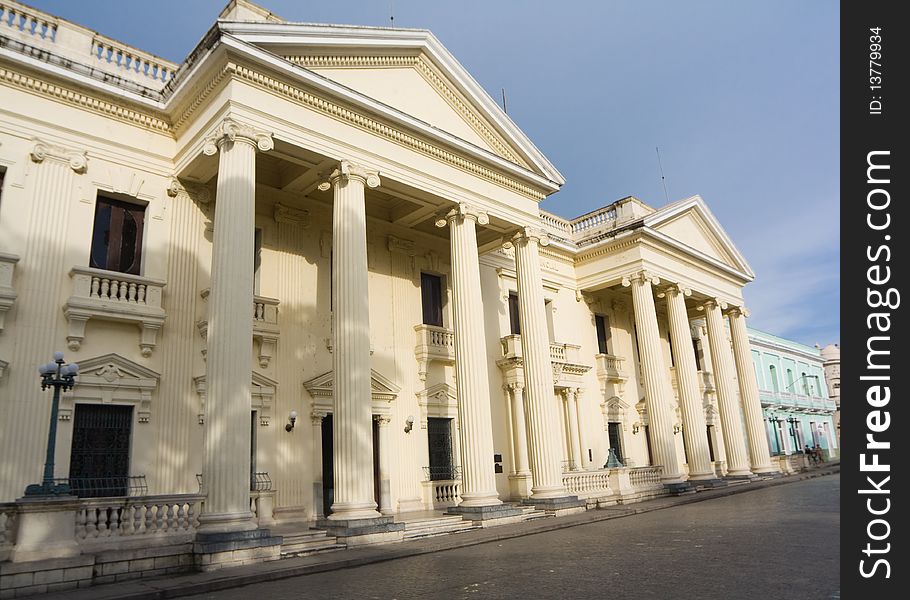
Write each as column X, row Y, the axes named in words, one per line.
column 158, row 588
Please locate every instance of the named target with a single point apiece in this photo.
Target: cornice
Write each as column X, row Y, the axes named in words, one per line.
column 358, row 119
column 610, row 248
column 82, row 100
column 429, row 74
column 203, row 95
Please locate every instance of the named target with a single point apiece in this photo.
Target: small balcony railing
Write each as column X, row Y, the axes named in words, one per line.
column 433, row 343
column 265, row 326
column 105, row 487
column 442, row 473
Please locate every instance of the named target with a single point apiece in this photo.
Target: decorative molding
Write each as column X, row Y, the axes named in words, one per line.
column 532, row 233
column 640, row 276
column 322, row 390
column 112, row 379
column 201, row 96
column 412, row 141
column 76, row 159
column 262, row 396
column 193, row 191
column 94, row 104
column 438, row 401
column 291, row 216
column 230, row 130
column 8, row 294
column 4, row 365
column 430, row 75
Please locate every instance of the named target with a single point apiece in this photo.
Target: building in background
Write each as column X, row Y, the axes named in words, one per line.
column 831, row 354
column 798, row 411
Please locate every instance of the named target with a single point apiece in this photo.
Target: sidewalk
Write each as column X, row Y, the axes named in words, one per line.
column 197, row 583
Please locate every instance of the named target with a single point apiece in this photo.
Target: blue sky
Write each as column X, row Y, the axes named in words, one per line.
column 741, row 97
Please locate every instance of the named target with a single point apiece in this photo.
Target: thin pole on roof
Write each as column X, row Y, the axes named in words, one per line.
column 391, row 13
column 663, row 180
column 504, row 109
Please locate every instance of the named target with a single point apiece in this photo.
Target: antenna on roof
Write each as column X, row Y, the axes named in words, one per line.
column 663, row 180
column 391, row 13
column 504, row 109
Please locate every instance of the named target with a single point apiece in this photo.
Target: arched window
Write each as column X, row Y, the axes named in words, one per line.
column 805, row 381
column 775, row 384
column 790, row 381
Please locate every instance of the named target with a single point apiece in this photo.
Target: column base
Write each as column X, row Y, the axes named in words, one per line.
column 226, row 522
column 352, row 512
column 520, row 486
column 680, row 488
column 486, row 515
column 480, row 501
column 764, row 470
column 558, row 506
column 360, row 532
column 212, row 551
column 708, row 484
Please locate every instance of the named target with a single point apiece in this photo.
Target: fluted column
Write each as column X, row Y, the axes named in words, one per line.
column 473, row 394
column 654, row 369
column 226, row 463
column 727, row 403
column 519, row 430
column 385, row 456
column 748, row 391
column 572, row 418
column 535, row 349
column 690, row 403
column 583, row 446
column 353, row 419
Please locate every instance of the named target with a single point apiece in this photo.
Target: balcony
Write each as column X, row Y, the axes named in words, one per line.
column 117, row 297
column 7, row 293
column 611, row 368
column 565, row 359
column 433, row 343
column 265, row 326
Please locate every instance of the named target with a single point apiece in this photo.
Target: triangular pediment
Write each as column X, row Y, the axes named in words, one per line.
column 115, row 370
column 690, row 224
column 409, row 75
column 381, row 387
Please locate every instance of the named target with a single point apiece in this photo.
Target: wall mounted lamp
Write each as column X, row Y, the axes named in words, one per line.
column 408, row 424
column 292, row 420
column 677, row 428
column 635, row 427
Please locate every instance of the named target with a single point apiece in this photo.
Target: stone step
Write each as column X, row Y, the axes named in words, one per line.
column 442, row 529
column 529, row 513
column 309, row 542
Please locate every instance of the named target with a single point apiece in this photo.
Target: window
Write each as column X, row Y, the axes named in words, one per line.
column 100, row 451
column 670, row 344
column 431, row 296
column 117, row 236
column 772, row 371
column 514, row 321
column 790, row 381
column 805, row 381
column 602, row 324
column 439, row 440
column 698, row 356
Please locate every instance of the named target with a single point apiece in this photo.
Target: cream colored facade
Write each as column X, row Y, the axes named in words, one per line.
column 363, row 157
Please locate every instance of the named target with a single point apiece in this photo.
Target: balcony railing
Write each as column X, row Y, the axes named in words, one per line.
column 565, row 358
column 265, row 326
column 645, row 477
column 445, row 472
column 611, row 368
column 138, row 516
column 118, row 297
column 433, row 343
column 7, row 293
column 105, row 487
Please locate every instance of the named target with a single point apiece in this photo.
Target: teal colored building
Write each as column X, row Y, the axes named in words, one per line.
column 794, row 396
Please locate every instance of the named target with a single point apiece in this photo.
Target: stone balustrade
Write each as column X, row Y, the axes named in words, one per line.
column 603, row 218
column 556, row 226
column 7, row 529
column 645, row 477
column 81, row 49
column 611, row 368
column 587, row 484
column 433, row 343
column 443, row 492
column 118, row 297
column 145, row 516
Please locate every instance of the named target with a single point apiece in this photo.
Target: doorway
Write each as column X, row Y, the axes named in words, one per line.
column 100, row 452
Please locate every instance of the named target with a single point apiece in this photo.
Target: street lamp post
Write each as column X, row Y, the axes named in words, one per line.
column 793, row 421
column 774, row 420
column 60, row 376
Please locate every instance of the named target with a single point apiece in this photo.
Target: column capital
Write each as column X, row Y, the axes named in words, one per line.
column 463, row 211
column 76, row 159
column 515, row 386
column 712, row 303
column 382, row 420
column 676, row 289
column 229, row 130
column 317, row 416
column 348, row 170
column 532, row 233
column 739, row 311
column 643, row 276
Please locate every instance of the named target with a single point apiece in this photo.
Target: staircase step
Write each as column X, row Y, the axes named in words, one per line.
column 308, row 542
column 424, row 532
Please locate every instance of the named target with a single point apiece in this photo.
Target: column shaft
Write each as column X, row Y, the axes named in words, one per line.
column 734, row 444
column 690, row 403
column 352, row 418
column 654, row 369
column 748, row 391
column 519, row 430
column 585, row 462
column 535, row 348
column 226, row 468
column 574, row 443
column 475, row 421
column 385, row 456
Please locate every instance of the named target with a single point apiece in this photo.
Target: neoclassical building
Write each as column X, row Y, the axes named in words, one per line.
column 306, row 278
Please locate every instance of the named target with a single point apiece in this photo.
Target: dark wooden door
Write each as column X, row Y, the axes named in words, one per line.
column 100, row 454
column 328, row 463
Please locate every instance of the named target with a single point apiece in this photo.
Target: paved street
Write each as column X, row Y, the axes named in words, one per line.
column 778, row 542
